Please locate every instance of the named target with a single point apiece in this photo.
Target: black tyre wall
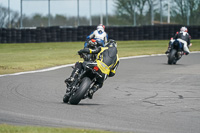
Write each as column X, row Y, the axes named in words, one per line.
column 68, row 34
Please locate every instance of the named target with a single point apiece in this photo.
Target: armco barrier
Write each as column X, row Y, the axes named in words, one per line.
column 66, row 34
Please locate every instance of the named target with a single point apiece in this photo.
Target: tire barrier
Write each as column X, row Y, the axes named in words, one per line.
column 69, row 34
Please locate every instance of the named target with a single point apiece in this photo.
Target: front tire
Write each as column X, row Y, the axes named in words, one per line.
column 79, row 94
column 66, row 98
column 171, row 57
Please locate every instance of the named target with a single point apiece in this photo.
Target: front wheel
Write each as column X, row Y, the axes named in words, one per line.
column 79, row 94
column 66, row 98
column 172, row 56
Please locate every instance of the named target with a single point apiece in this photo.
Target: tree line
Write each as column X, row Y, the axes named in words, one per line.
column 127, row 12
column 185, row 12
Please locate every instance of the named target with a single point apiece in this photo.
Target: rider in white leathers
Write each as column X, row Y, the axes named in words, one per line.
column 99, row 35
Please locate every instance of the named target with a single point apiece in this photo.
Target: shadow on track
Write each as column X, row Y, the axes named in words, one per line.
column 83, row 104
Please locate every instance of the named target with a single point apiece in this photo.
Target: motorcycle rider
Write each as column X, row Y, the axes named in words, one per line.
column 99, row 35
column 107, row 62
column 92, row 44
column 183, row 37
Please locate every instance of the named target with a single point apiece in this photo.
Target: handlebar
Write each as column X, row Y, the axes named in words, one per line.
column 82, row 55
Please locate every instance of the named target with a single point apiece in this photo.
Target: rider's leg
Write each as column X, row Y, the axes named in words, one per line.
column 185, row 48
column 98, row 84
column 169, row 47
column 94, row 88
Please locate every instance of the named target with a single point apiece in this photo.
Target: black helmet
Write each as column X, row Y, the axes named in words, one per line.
column 92, row 43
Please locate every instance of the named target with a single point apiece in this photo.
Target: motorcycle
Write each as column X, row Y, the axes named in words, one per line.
column 84, row 81
column 176, row 52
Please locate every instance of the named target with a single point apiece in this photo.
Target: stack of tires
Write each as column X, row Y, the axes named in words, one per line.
column 194, row 32
column 52, row 34
column 69, row 34
column 74, row 34
column 18, row 36
column 3, row 38
column 63, row 34
column 110, row 32
column 66, row 34
column 9, row 36
column 80, row 33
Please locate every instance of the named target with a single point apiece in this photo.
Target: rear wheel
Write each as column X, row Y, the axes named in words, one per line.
column 171, row 57
column 79, row 94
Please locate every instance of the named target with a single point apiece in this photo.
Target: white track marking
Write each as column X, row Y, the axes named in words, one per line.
column 58, row 67
column 36, row 71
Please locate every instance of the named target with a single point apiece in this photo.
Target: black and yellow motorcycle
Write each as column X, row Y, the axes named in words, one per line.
column 78, row 89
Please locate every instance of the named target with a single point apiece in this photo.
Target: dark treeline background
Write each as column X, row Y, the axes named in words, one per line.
column 123, row 15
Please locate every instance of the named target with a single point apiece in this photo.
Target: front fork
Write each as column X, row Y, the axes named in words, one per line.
column 74, row 86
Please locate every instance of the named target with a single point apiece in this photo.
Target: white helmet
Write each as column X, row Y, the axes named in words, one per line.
column 100, row 29
column 102, row 26
column 184, row 29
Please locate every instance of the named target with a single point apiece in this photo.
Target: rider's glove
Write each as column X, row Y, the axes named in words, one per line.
column 80, row 52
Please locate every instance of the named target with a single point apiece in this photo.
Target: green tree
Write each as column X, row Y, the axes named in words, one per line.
column 181, row 9
column 125, row 10
column 4, row 21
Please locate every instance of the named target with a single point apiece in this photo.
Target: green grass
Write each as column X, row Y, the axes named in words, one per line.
column 28, row 129
column 32, row 56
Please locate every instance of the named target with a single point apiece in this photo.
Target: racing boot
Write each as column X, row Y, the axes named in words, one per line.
column 93, row 90
column 179, row 53
column 186, row 53
column 168, row 50
column 74, row 74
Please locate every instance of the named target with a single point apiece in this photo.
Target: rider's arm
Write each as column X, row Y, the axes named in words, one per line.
column 88, row 38
column 106, row 38
column 90, row 51
column 176, row 35
column 91, row 36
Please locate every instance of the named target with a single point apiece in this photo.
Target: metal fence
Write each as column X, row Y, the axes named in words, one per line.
column 108, row 12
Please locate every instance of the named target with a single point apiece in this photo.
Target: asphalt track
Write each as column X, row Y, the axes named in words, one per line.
column 145, row 96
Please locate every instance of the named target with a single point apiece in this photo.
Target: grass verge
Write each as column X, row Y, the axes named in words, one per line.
column 29, row 129
column 32, row 56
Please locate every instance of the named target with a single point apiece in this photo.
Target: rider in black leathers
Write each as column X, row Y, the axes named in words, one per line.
column 107, row 61
column 183, row 37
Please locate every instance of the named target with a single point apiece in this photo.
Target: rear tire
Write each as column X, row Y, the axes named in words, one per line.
column 79, row 94
column 171, row 57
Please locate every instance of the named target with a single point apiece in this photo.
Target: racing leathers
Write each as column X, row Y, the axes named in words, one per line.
column 99, row 35
column 107, row 59
column 182, row 37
